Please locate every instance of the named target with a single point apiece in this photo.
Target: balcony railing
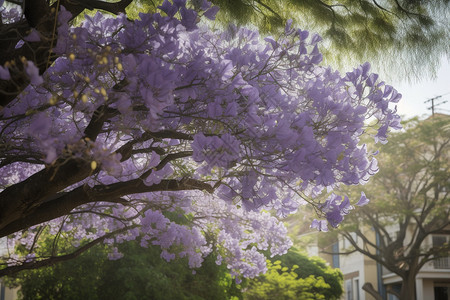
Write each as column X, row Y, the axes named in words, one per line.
column 442, row 263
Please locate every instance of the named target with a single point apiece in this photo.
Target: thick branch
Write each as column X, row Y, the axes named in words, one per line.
column 170, row 134
column 384, row 257
column 19, row 199
column 368, row 287
column 66, row 202
column 99, row 117
column 77, row 7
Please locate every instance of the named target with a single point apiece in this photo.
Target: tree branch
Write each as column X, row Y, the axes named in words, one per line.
column 11, row 270
column 99, row 117
column 76, row 7
column 63, row 203
column 166, row 160
column 368, row 287
column 23, row 197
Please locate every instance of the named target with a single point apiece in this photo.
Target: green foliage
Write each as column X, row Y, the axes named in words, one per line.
column 282, row 283
column 75, row 279
column 317, row 267
column 286, row 280
column 393, row 35
column 140, row 274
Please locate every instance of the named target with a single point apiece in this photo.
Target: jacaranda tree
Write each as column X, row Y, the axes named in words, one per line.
column 162, row 130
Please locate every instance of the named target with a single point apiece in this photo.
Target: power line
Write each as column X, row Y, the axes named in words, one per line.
column 434, row 105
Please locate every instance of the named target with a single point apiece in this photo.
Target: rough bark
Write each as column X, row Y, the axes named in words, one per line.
column 63, row 203
column 408, row 291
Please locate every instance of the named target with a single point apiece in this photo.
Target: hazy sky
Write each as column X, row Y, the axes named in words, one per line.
column 414, row 95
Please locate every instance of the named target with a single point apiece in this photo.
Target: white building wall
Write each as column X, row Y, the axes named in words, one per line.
column 428, row 289
column 352, row 266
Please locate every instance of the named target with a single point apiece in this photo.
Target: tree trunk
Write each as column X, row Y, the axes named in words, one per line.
column 408, row 290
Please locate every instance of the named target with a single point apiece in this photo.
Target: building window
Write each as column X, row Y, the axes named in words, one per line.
column 392, row 297
column 396, row 287
column 2, row 291
column 349, row 289
column 441, row 293
column 357, row 289
column 441, row 262
column 335, row 250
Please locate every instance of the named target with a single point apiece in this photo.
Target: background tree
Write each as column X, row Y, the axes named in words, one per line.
column 283, row 283
column 141, row 274
column 409, row 201
column 316, row 267
column 295, row 276
column 178, row 136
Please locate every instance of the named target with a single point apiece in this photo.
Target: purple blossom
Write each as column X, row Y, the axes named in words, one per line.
column 158, row 175
column 30, row 257
column 216, row 151
column 168, row 8
column 40, row 126
column 335, row 209
column 33, row 36
column 363, row 200
column 4, row 73
column 320, row 225
column 211, row 13
column 188, row 18
column 33, row 73
column 345, row 206
column 115, row 254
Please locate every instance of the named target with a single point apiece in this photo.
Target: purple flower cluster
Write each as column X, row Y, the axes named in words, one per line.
column 222, row 151
column 334, row 209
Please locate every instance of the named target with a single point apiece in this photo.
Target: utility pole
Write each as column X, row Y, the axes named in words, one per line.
column 432, row 103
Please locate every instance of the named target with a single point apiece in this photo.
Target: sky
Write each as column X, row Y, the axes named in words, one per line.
column 415, row 94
